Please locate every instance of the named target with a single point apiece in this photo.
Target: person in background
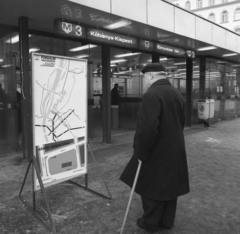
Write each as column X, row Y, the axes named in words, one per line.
column 100, row 101
column 2, row 94
column 159, row 143
column 115, row 97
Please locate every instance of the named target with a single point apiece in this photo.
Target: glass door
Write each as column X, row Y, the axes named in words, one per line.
column 10, row 98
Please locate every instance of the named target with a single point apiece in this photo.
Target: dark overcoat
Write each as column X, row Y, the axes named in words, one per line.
column 159, row 144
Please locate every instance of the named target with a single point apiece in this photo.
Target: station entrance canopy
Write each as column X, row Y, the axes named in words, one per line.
column 44, row 15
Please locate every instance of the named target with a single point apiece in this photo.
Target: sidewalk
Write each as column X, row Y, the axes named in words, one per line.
column 212, row 206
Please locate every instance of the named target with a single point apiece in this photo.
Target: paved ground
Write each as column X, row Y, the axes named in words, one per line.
column 212, row 206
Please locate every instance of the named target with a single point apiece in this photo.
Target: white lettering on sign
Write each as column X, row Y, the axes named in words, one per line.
column 164, row 48
column 111, row 38
column 66, row 27
column 78, row 30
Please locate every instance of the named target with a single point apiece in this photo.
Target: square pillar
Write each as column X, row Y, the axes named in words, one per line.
column 189, row 77
column 26, row 88
column 106, row 94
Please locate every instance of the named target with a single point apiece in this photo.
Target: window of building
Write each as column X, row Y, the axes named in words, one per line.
column 237, row 14
column 188, row 5
column 224, row 1
column 224, row 17
column 211, row 2
column 237, row 30
column 211, row 17
column 199, row 3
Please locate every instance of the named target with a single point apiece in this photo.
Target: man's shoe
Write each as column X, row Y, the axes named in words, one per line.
column 166, row 227
column 143, row 225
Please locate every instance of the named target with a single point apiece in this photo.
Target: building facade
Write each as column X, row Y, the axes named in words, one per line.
column 223, row 12
column 117, row 42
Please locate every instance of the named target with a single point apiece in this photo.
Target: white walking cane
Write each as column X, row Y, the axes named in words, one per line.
column 131, row 194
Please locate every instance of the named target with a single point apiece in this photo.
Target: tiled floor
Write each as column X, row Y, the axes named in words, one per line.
column 212, row 206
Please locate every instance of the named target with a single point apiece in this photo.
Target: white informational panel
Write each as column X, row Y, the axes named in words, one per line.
column 59, row 117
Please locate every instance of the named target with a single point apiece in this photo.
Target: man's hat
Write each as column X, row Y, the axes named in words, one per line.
column 154, row 67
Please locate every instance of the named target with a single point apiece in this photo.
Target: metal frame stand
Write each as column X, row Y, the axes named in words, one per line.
column 86, row 181
column 45, row 199
column 33, row 162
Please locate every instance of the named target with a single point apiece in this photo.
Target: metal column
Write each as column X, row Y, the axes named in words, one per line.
column 155, row 58
column 189, row 78
column 202, row 79
column 106, row 90
column 26, row 87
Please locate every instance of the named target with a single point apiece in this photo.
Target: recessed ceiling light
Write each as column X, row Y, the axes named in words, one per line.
column 1, row 60
column 118, row 61
column 82, row 56
column 14, row 39
column 125, row 55
column 33, row 49
column 82, row 47
column 183, row 69
column 118, row 24
column 172, row 67
column 207, row 48
column 230, row 54
column 182, row 63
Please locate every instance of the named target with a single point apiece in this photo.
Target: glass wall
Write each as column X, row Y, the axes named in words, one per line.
column 10, row 104
column 176, row 68
column 221, row 84
column 126, row 69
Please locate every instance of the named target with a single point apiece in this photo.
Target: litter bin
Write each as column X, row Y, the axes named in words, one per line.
column 114, row 116
column 206, row 108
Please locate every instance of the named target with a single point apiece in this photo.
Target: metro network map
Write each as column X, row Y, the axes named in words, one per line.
column 59, row 99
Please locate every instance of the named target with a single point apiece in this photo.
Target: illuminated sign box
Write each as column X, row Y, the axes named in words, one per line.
column 112, row 38
column 169, row 49
column 78, row 31
column 69, row 29
column 146, row 45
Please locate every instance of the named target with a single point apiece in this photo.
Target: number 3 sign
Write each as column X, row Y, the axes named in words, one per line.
column 69, row 29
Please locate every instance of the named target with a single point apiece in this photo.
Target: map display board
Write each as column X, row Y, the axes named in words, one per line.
column 59, row 90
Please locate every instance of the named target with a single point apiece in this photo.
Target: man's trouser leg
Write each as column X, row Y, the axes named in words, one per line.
column 159, row 213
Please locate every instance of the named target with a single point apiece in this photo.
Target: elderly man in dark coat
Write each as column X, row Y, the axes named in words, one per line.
column 159, row 144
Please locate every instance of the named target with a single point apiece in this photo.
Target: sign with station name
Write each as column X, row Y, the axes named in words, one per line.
column 113, row 38
column 169, row 49
column 69, row 29
column 78, row 31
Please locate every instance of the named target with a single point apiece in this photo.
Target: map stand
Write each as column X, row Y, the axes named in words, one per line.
column 34, row 164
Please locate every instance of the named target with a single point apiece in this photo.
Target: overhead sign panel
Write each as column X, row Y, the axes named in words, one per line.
column 112, row 38
column 101, row 36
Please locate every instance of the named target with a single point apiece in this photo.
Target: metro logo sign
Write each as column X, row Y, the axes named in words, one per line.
column 66, row 27
column 190, row 54
column 70, row 29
